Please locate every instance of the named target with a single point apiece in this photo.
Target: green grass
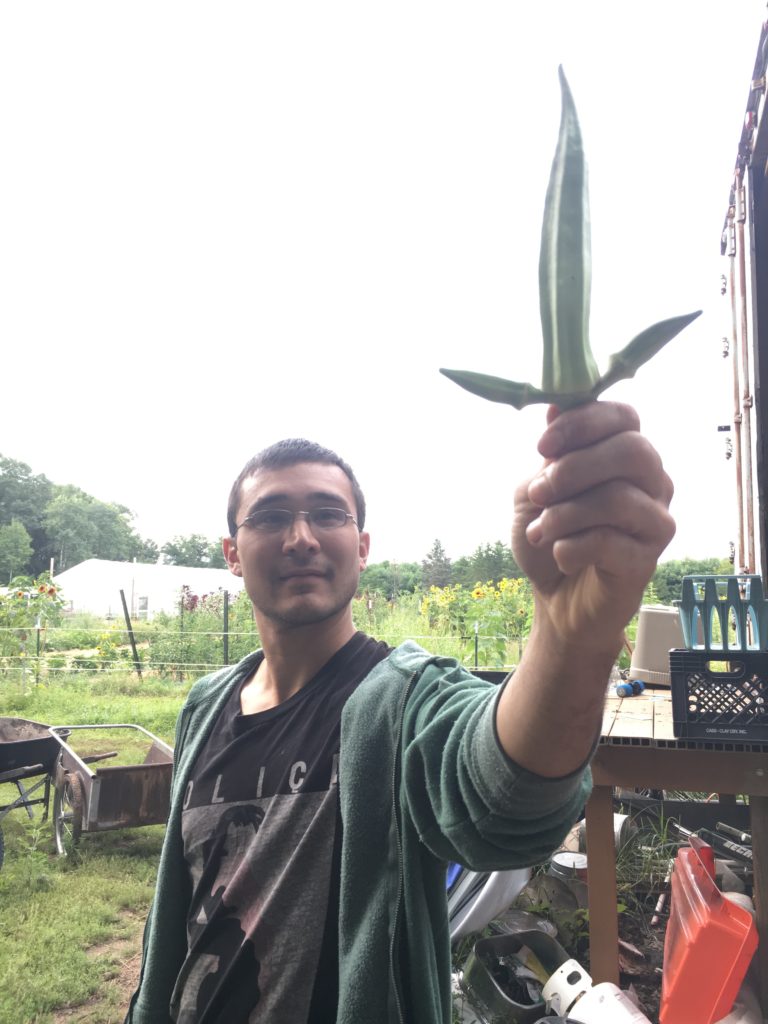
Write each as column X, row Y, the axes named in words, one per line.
column 54, row 912
column 79, row 700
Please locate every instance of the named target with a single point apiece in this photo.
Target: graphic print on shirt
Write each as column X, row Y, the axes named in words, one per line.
column 259, row 907
column 258, row 824
column 229, row 943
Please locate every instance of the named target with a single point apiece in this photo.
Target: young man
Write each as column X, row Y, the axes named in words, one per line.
column 321, row 785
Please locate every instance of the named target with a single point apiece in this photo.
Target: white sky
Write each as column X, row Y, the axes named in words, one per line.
column 223, row 224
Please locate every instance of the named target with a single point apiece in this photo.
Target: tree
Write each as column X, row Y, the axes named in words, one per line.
column 65, row 523
column 72, row 532
column 113, row 531
column 488, row 563
column 79, row 526
column 15, row 549
column 143, row 550
column 667, row 581
column 390, row 578
column 436, row 567
column 194, row 551
column 24, row 497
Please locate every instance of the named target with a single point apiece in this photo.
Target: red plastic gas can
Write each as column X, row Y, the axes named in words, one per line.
column 708, row 947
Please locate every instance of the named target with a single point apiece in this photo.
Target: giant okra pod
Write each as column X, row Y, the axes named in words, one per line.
column 570, row 375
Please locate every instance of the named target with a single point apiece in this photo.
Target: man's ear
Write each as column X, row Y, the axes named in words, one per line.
column 229, row 547
column 365, row 544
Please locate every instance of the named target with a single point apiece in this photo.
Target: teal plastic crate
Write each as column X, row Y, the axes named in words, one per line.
column 723, row 613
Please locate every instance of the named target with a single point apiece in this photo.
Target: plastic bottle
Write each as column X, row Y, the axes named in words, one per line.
column 570, row 991
column 746, row 1008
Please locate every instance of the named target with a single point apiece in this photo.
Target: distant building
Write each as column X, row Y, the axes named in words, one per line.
column 94, row 586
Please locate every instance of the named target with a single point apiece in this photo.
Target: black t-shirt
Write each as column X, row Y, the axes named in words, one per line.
column 261, row 833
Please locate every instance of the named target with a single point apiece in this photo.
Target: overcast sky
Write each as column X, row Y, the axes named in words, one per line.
column 223, row 224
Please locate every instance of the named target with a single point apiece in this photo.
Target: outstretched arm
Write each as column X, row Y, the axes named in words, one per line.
column 588, row 530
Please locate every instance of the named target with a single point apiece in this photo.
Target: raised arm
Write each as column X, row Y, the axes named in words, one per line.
column 588, row 530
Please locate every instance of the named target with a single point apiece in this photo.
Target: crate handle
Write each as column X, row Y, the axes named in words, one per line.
column 734, row 670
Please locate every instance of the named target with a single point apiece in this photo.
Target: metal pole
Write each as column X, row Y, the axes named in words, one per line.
column 477, row 632
column 226, row 627
column 37, row 651
column 136, row 661
column 737, row 454
column 746, row 393
column 181, row 632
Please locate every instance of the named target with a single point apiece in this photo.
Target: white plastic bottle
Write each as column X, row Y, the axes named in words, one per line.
column 570, row 991
column 746, row 1009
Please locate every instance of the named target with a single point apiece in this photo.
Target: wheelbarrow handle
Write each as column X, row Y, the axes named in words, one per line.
column 92, row 758
column 22, row 773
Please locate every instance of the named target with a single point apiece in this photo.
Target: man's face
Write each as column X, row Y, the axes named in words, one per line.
column 299, row 576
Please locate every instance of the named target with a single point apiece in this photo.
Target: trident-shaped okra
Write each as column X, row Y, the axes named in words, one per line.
column 570, row 375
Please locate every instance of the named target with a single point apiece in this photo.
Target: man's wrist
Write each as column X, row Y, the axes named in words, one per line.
column 593, row 651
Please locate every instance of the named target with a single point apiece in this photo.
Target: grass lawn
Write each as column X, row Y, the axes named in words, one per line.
column 70, row 928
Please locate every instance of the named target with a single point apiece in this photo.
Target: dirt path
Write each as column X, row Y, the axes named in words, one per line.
column 123, row 955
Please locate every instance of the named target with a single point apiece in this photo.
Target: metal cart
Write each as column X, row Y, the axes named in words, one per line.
column 85, row 799
column 111, row 796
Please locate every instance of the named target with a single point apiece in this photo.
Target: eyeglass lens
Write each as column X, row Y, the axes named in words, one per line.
column 274, row 520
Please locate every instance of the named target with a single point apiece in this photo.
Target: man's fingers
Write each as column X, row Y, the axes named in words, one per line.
column 616, row 505
column 609, row 551
column 577, row 428
column 628, row 456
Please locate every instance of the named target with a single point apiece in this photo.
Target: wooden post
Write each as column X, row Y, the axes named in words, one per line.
column 136, row 660
column 601, row 879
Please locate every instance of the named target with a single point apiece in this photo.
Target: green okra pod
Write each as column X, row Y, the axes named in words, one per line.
column 565, row 263
column 570, row 375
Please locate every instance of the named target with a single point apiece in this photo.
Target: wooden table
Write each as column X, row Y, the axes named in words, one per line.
column 638, row 750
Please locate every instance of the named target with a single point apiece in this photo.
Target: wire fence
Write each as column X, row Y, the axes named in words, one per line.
column 180, row 651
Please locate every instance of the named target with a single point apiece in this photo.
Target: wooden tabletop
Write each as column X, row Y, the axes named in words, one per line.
column 648, row 716
column 647, row 720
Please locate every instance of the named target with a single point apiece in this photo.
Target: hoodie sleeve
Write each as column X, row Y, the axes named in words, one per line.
column 466, row 799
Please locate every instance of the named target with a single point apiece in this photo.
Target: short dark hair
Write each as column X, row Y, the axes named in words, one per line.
column 288, row 453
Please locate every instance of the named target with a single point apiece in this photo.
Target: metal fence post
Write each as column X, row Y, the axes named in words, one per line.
column 226, row 627
column 136, row 660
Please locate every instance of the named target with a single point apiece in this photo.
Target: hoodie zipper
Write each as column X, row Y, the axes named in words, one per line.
column 398, row 836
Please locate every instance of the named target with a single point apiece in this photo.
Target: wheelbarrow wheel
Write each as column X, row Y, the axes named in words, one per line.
column 68, row 812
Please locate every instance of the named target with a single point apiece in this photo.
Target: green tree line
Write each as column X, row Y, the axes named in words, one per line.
column 41, row 520
column 491, row 563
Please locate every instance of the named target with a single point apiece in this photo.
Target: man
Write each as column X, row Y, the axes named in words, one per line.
column 321, row 785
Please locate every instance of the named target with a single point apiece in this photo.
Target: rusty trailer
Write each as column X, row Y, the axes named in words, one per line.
column 97, row 799
column 88, row 796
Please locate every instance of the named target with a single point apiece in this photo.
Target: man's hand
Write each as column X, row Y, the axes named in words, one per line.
column 590, row 526
column 588, row 530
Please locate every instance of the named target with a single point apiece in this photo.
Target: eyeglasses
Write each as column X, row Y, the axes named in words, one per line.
column 277, row 520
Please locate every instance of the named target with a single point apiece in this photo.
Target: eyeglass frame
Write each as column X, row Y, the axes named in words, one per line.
column 300, row 512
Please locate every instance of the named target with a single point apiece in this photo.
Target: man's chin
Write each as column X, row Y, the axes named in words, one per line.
column 305, row 613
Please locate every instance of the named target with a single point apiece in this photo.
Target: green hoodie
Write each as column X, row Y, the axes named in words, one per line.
column 422, row 781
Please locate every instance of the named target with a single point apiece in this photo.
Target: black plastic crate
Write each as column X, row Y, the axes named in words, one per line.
column 720, row 695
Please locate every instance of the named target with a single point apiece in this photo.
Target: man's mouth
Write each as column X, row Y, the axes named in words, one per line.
column 303, row 574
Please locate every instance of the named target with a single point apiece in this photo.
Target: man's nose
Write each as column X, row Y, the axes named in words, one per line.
column 299, row 533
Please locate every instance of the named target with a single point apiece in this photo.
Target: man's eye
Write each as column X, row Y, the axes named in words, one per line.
column 270, row 518
column 328, row 516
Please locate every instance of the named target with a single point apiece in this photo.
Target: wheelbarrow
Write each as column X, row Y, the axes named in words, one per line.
column 85, row 799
